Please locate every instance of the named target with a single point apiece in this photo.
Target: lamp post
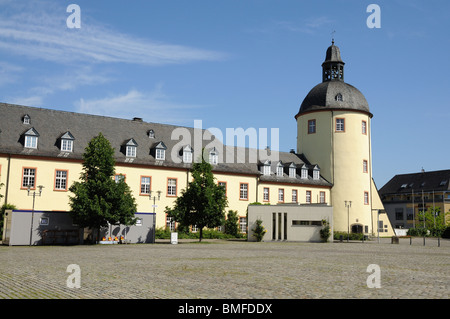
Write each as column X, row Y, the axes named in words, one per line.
column 348, row 204
column 154, row 212
column 34, row 194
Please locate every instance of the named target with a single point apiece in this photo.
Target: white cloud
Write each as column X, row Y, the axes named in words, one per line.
column 38, row 30
column 152, row 107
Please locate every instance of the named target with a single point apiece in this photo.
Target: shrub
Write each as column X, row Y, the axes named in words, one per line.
column 259, row 231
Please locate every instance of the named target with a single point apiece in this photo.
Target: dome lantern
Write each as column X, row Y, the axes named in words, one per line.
column 333, row 66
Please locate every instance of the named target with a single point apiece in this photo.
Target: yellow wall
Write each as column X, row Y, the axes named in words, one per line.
column 52, row 199
column 340, row 156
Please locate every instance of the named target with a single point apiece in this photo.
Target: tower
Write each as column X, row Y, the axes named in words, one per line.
column 333, row 130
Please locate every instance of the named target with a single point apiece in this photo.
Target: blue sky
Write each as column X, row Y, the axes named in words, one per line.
column 237, row 63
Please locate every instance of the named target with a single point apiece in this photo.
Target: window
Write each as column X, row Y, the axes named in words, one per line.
column 399, row 214
column 29, row 178
column 304, row 174
column 26, row 119
column 187, row 156
column 294, row 196
column 280, row 170
column 322, row 197
column 170, row 224
column 265, row 169
column 306, row 223
column 213, row 156
column 31, row 141
column 338, row 97
column 160, row 154
column 171, row 187
column 151, row 134
column 118, row 178
column 366, row 198
column 66, row 145
column 364, row 127
column 243, row 191
column 266, row 194
column 340, row 125
column 365, row 166
column 243, row 225
column 280, row 195
column 316, row 174
column 61, row 180
column 44, row 221
column 308, row 197
column 194, row 228
column 292, row 171
column 131, row 151
column 145, row 185
column 311, row 126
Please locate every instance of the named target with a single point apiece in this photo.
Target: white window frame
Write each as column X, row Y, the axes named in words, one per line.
column 266, row 194
column 213, row 157
column 146, row 182
column 31, row 141
column 322, row 197
column 160, row 154
column 187, row 157
column 61, row 180
column 308, row 197
column 66, row 145
column 243, row 225
column 304, row 174
column 29, row 177
column 340, row 125
column 243, row 191
column 281, row 195
column 265, row 170
column 171, row 187
column 316, row 174
column 280, row 170
column 130, row 151
column 294, row 196
column 292, row 172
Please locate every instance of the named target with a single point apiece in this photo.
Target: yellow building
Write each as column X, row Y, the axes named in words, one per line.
column 334, row 132
column 332, row 164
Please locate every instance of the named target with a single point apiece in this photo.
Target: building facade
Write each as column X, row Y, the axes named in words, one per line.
column 332, row 165
column 405, row 195
column 336, row 116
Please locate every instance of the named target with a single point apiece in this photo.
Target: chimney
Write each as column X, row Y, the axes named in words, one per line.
column 137, row 119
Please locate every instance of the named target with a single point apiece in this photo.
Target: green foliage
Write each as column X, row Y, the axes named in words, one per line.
column 232, row 223
column 429, row 223
column 202, row 203
column 164, row 233
column 352, row 236
column 259, row 231
column 98, row 199
column 325, row 232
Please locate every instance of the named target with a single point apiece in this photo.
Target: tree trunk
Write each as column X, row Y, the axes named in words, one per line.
column 201, row 234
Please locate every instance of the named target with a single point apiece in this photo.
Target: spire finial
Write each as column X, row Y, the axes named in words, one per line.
column 332, row 37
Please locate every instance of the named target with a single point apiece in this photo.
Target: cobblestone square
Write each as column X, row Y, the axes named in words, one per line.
column 218, row 269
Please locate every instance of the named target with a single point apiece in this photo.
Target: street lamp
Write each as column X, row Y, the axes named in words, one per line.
column 154, row 212
column 348, row 204
column 34, row 194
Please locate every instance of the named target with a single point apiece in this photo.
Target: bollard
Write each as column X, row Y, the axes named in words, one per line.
column 394, row 240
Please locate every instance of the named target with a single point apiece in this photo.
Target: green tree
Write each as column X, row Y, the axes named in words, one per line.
column 98, row 199
column 259, row 231
column 432, row 221
column 202, row 203
column 232, row 223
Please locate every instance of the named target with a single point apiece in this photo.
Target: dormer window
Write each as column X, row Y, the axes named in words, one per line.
column 316, row 172
column 213, row 156
column 67, row 142
column 160, row 151
column 187, row 154
column 265, row 168
column 304, row 172
column 31, row 138
column 338, row 97
column 26, row 119
column 151, row 134
column 292, row 171
column 280, row 169
column 131, row 148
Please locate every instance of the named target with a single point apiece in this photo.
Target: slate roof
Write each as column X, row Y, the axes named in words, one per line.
column 426, row 181
column 53, row 125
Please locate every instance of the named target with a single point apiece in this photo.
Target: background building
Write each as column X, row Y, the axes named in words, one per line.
column 405, row 195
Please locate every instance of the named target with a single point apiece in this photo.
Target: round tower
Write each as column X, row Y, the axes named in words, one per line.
column 333, row 130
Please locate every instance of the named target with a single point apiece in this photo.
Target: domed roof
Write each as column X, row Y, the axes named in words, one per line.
column 334, row 95
column 333, row 92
